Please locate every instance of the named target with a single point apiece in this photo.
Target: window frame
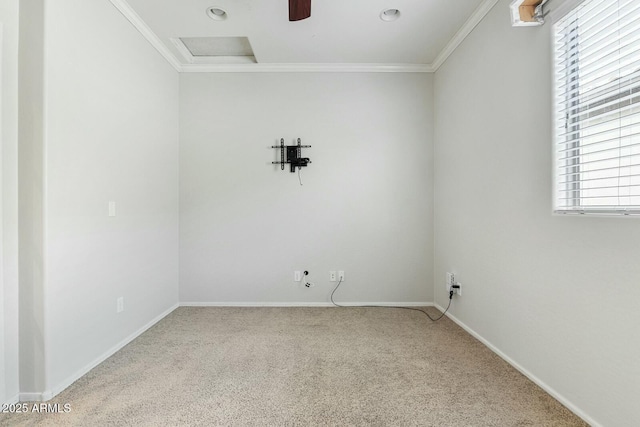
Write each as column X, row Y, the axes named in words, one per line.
column 554, row 16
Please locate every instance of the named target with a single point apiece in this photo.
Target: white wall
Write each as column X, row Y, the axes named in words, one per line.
column 110, row 134
column 2, row 317
column 557, row 295
column 31, row 196
column 365, row 206
column 9, row 200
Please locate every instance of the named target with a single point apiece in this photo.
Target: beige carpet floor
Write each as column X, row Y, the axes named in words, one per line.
column 303, row 367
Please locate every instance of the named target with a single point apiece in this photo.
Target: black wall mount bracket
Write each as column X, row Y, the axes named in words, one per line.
column 294, row 155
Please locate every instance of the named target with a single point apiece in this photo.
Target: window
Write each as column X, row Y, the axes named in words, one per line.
column 597, row 108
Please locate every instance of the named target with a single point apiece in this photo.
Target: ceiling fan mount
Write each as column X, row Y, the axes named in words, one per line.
column 299, row 9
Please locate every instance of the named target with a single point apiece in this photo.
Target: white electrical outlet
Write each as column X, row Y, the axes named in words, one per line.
column 341, row 275
column 451, row 279
column 120, row 305
column 332, row 276
column 459, row 290
column 297, row 275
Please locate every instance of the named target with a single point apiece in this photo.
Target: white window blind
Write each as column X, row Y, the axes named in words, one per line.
column 597, row 100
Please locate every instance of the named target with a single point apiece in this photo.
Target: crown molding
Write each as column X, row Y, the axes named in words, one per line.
column 477, row 16
column 126, row 10
column 305, row 68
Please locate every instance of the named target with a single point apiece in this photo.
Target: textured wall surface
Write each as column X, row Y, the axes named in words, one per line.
column 365, row 206
column 558, row 295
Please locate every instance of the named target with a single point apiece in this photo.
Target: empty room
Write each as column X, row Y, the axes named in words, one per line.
column 320, row 212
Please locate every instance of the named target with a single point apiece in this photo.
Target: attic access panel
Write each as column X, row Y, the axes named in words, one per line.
column 218, row 46
column 215, row 50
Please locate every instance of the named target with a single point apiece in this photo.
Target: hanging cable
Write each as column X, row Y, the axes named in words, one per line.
column 402, row 308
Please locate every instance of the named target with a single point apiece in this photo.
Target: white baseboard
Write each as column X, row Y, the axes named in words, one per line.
column 48, row 395
column 35, row 396
column 302, row 304
column 14, row 399
column 573, row 408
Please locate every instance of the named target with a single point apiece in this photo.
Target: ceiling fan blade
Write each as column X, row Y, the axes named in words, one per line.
column 299, row 9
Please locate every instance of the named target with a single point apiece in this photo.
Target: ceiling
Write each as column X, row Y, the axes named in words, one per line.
column 339, row 33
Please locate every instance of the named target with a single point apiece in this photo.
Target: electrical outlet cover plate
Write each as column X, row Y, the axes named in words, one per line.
column 332, row 276
column 449, row 281
column 297, row 275
column 459, row 290
column 341, row 275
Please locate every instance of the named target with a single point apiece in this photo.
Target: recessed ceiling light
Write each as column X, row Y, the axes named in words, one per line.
column 216, row 13
column 390, row 15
